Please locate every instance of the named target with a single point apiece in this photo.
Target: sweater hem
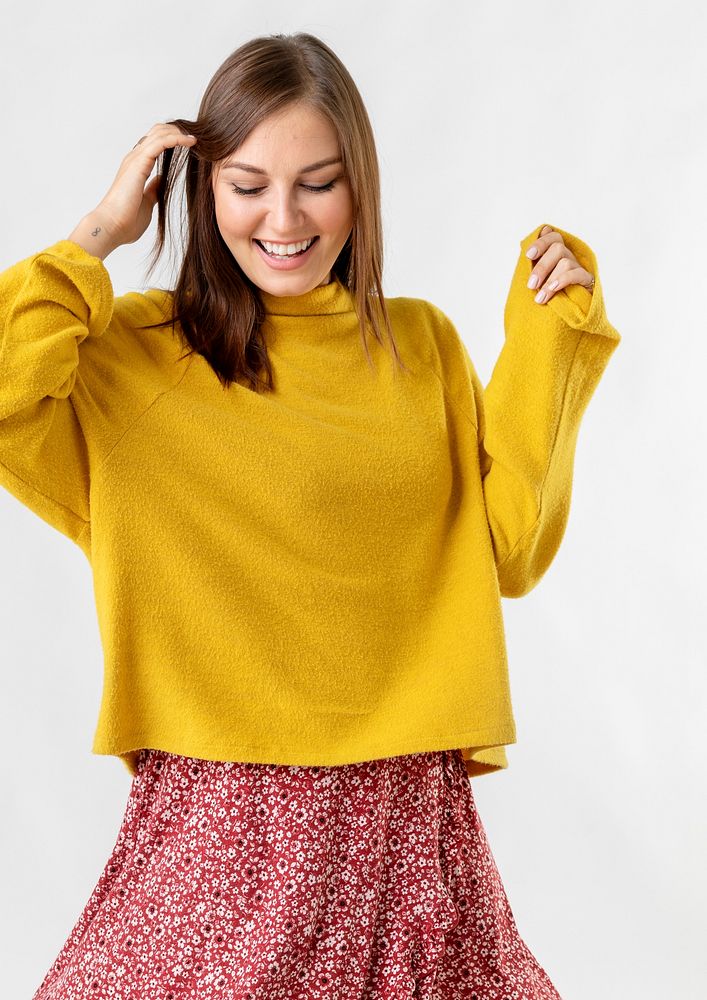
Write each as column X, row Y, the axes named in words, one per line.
column 483, row 751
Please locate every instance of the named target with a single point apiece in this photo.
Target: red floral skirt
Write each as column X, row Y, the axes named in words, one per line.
column 241, row 881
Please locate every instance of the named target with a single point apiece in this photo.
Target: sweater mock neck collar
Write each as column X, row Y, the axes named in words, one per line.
column 323, row 300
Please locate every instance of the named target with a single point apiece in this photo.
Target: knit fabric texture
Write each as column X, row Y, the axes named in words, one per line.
column 311, row 575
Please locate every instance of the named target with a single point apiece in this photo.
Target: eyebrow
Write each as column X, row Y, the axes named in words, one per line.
column 234, row 164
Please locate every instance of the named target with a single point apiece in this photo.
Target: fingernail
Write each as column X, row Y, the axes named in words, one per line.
column 532, row 252
column 533, row 281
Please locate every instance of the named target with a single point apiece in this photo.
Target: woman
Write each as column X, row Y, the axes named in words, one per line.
column 301, row 509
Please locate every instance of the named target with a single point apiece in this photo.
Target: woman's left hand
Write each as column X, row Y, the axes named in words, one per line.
column 556, row 266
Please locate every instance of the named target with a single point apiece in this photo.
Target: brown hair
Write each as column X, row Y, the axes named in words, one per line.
column 218, row 307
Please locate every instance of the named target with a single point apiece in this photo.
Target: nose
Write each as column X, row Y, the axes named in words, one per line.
column 286, row 217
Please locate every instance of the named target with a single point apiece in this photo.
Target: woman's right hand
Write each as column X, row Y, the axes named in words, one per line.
column 126, row 210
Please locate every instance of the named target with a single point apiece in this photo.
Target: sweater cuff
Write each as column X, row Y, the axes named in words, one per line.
column 577, row 306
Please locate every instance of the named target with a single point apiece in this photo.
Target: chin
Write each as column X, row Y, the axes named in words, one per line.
column 289, row 285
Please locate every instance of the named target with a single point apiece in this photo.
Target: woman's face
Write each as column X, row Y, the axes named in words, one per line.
column 285, row 206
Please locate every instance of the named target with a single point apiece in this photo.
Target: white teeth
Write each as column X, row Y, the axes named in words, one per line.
column 286, row 249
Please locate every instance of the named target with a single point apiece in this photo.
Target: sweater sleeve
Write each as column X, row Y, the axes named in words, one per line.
column 50, row 303
column 529, row 414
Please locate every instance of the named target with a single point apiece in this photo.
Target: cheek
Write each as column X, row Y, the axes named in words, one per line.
column 337, row 214
column 236, row 216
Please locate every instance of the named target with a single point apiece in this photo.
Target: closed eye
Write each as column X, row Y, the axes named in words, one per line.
column 307, row 187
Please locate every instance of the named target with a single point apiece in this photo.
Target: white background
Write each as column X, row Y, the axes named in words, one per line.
column 491, row 119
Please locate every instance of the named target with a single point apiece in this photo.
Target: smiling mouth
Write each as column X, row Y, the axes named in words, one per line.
column 287, row 256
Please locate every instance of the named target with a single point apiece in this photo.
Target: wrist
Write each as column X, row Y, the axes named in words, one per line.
column 94, row 235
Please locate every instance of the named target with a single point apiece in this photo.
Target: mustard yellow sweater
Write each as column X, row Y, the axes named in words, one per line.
column 311, row 576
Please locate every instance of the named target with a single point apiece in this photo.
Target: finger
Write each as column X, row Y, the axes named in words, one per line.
column 152, row 144
column 155, row 129
column 560, row 278
column 151, row 189
column 546, row 236
column 549, row 260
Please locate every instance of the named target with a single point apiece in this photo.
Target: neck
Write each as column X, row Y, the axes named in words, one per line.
column 330, row 298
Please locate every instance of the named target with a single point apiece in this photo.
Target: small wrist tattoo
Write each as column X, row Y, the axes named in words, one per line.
column 96, row 231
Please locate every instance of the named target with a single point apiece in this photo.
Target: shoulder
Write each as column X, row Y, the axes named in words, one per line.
column 136, row 310
column 428, row 327
column 433, row 340
column 134, row 351
column 421, row 310
column 142, row 322
column 433, row 333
